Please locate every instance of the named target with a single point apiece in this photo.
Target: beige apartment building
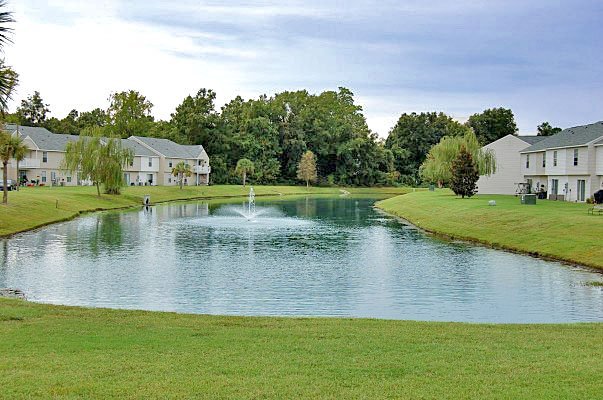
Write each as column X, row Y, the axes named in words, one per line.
column 152, row 163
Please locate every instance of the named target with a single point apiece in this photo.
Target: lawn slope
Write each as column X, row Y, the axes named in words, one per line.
column 67, row 352
column 31, row 208
column 555, row 229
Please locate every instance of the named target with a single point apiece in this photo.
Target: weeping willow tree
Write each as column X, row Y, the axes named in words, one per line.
column 101, row 160
column 437, row 167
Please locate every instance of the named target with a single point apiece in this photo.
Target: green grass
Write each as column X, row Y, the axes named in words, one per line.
column 64, row 352
column 30, row 208
column 555, row 229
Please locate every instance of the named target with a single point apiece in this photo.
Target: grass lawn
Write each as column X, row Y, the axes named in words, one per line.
column 38, row 206
column 555, row 229
column 67, row 352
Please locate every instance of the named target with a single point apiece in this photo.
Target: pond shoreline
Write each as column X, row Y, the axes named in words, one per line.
column 406, row 214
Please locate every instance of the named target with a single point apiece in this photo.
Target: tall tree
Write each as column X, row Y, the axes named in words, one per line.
column 412, row 137
column 546, row 129
column 195, row 119
column 244, row 167
column 129, row 114
column 19, row 152
column 98, row 159
column 68, row 125
column 306, row 171
column 182, row 170
column 493, row 124
column 437, row 167
column 9, row 80
column 33, row 111
column 94, row 118
column 464, row 174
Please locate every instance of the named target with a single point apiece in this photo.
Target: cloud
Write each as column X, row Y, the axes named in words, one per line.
column 540, row 58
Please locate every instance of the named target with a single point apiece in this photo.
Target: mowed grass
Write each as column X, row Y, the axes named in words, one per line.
column 38, row 206
column 66, row 352
column 555, row 229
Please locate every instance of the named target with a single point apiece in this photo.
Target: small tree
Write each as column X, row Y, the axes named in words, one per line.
column 10, row 146
column 306, row 170
column 244, row 167
column 464, row 174
column 99, row 159
column 19, row 152
column 181, row 170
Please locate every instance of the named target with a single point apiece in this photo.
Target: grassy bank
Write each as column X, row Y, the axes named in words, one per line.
column 555, row 229
column 64, row 352
column 30, row 208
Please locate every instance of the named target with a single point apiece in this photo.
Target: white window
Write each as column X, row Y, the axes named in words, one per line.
column 44, row 156
column 43, row 176
column 544, row 160
column 68, row 179
column 170, row 164
column 527, row 161
column 576, row 157
column 555, row 186
column 150, row 162
column 555, row 159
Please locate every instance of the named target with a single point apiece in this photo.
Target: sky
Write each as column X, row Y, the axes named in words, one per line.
column 541, row 58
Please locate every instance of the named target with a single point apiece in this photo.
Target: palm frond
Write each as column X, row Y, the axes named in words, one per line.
column 6, row 17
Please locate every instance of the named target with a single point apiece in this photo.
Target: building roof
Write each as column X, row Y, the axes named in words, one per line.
column 171, row 149
column 532, row 139
column 570, row 137
column 599, row 143
column 137, row 148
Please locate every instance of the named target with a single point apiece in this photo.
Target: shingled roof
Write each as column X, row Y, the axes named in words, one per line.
column 170, row 149
column 532, row 139
column 570, row 137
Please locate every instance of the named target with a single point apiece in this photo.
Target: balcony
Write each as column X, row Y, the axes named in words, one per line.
column 26, row 163
column 201, row 169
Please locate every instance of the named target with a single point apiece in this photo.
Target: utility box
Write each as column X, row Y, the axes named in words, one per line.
column 528, row 199
column 147, row 200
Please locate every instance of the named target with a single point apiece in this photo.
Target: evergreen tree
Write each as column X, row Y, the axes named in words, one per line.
column 464, row 174
column 244, row 167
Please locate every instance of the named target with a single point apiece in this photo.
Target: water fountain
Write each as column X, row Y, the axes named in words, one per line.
column 251, row 204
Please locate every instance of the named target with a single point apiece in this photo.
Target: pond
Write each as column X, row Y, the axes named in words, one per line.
column 318, row 256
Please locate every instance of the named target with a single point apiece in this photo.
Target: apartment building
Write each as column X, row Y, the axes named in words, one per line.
column 150, row 165
column 569, row 165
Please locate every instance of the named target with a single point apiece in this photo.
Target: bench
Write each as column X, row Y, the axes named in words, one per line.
column 596, row 209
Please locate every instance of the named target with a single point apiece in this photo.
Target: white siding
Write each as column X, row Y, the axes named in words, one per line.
column 599, row 162
column 508, row 169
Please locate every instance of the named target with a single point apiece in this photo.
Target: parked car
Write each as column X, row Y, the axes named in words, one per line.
column 10, row 184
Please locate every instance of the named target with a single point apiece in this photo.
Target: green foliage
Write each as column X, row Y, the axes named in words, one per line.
column 10, row 147
column 493, row 124
column 129, row 114
column 546, row 129
column 182, row 170
column 306, row 171
column 33, row 110
column 244, row 167
column 464, row 174
column 412, row 137
column 99, row 159
column 9, row 80
column 437, row 167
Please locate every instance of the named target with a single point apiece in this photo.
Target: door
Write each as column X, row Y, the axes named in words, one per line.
column 555, row 186
column 581, row 190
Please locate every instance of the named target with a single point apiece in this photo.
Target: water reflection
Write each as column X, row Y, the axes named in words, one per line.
column 308, row 256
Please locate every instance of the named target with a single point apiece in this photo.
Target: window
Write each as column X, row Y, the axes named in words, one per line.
column 53, row 176
column 150, row 162
column 44, row 156
column 581, row 192
column 43, row 176
column 555, row 186
column 132, row 163
column 555, row 158
column 170, row 164
column 527, row 161
column 575, row 157
column 169, row 180
column 544, row 160
column 68, row 179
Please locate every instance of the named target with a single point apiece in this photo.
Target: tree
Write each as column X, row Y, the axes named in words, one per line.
column 33, row 110
column 19, row 152
column 244, row 167
column 493, row 124
column 181, row 170
column 9, row 80
column 412, row 137
column 306, row 170
column 97, row 117
column 129, row 114
column 6, row 17
column 545, row 129
column 10, row 147
column 195, row 119
column 464, row 174
column 437, row 167
column 101, row 160
column 68, row 125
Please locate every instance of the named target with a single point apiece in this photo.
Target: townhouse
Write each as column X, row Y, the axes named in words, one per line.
column 568, row 165
column 151, row 165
